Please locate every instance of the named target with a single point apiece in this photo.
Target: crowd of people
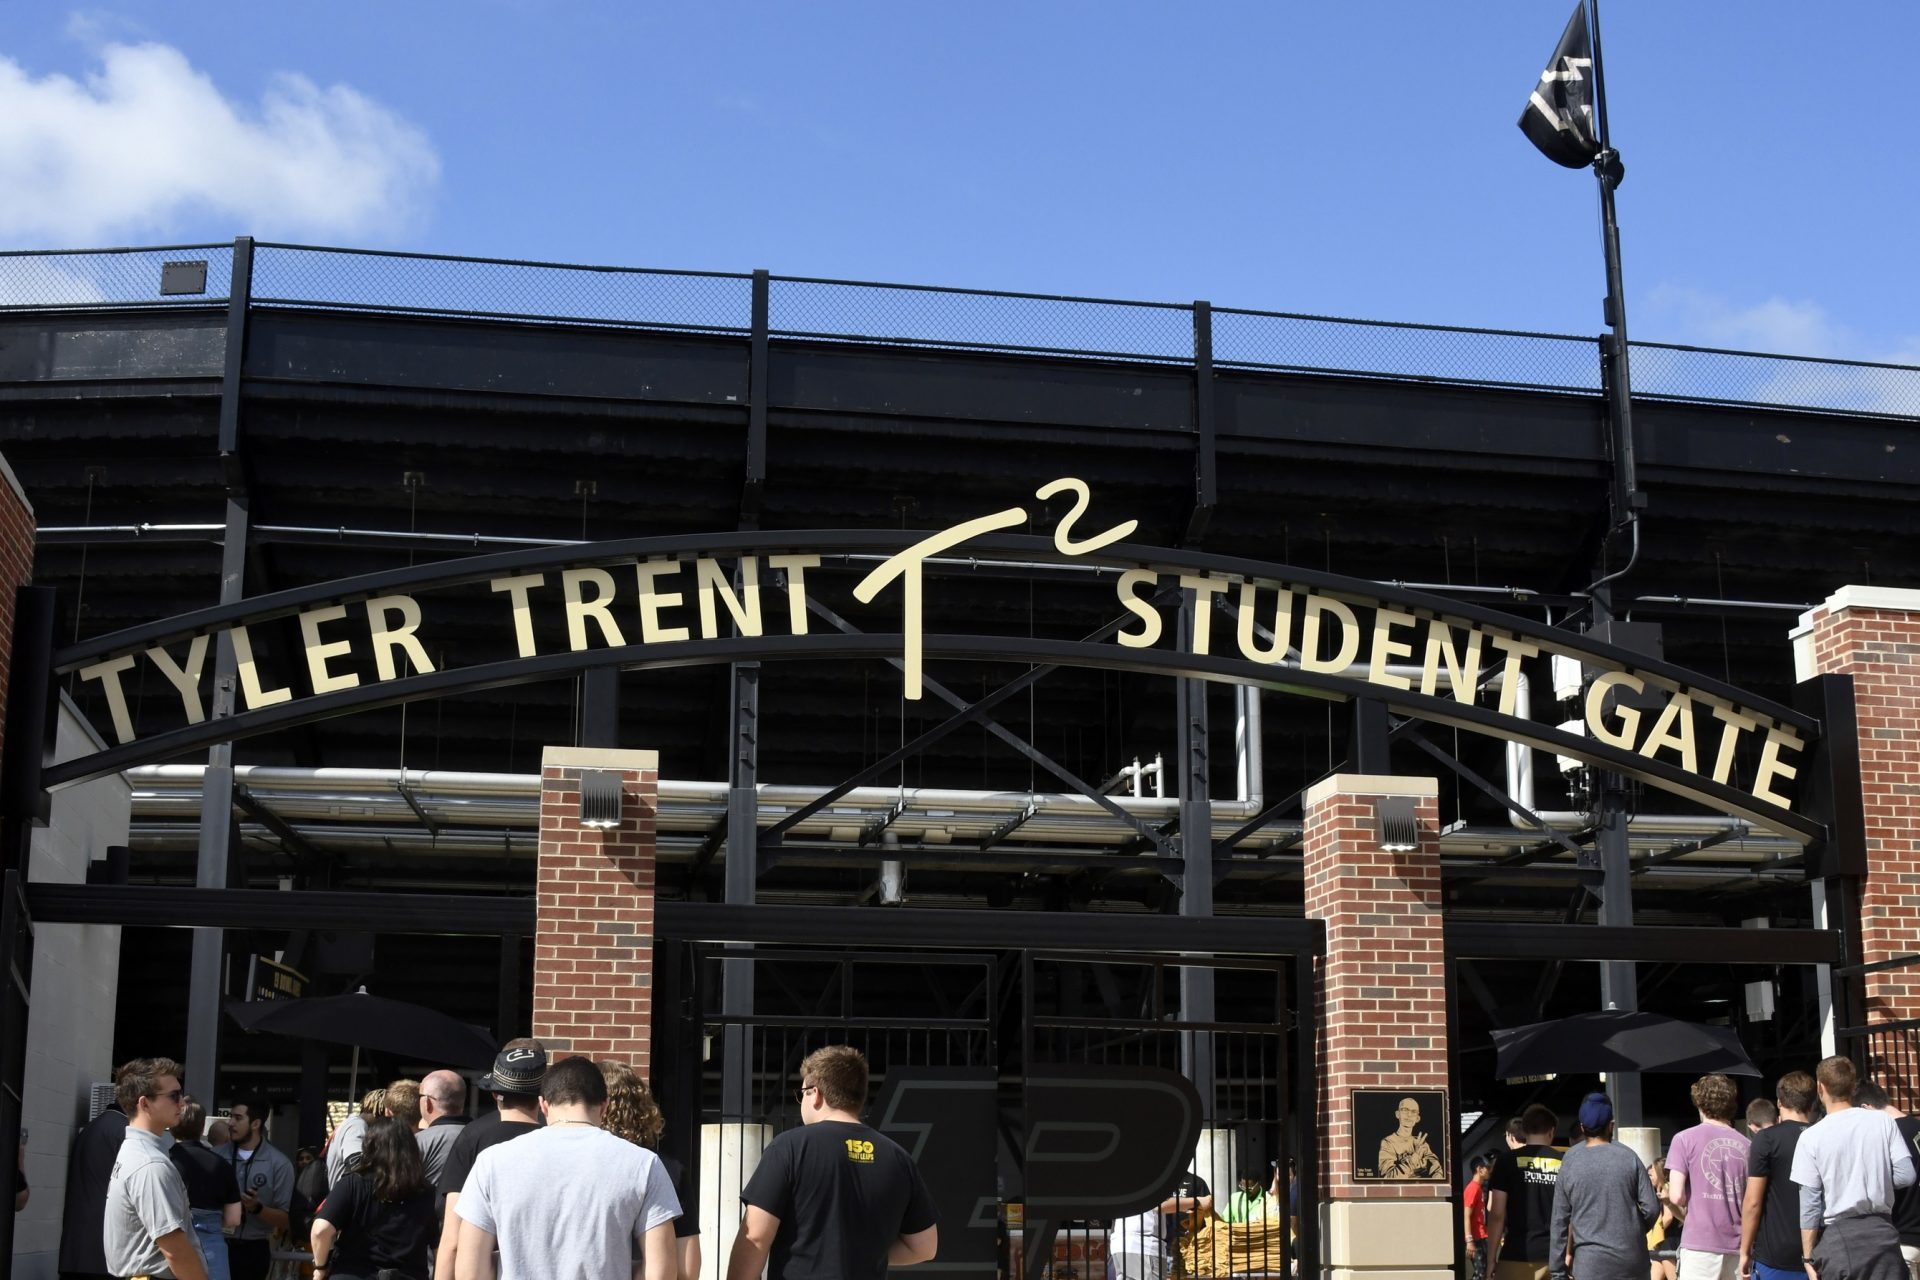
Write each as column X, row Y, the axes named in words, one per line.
column 1817, row 1183
column 563, row 1179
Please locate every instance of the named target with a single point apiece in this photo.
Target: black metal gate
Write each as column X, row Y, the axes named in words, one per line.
column 964, row 1027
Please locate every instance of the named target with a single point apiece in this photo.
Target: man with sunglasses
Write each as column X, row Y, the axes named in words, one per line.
column 149, row 1223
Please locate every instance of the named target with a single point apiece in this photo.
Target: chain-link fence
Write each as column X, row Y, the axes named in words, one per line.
column 980, row 319
column 498, row 288
column 116, row 277
column 807, row 309
column 1430, row 353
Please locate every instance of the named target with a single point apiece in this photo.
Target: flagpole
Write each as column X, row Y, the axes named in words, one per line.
column 1627, row 498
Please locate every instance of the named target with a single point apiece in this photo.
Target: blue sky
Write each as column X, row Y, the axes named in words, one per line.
column 1355, row 159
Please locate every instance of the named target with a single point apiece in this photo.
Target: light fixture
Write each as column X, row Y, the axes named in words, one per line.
column 600, row 795
column 1397, row 819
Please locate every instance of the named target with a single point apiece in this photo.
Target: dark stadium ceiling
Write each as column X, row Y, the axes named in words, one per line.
column 355, row 426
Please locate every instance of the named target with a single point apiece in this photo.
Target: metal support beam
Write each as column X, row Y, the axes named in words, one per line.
column 1368, row 749
column 600, row 707
column 969, row 713
column 1206, row 485
column 206, row 979
column 754, row 484
column 31, row 723
column 1196, row 846
column 1075, row 783
column 742, row 878
column 309, row 857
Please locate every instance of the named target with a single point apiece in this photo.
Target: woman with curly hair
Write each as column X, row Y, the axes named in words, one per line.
column 634, row 1115
column 379, row 1217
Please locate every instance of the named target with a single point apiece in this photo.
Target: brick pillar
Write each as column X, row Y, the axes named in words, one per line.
column 16, row 568
column 1383, row 1023
column 593, row 949
column 1873, row 635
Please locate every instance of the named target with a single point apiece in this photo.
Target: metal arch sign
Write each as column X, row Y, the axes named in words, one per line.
column 679, row 601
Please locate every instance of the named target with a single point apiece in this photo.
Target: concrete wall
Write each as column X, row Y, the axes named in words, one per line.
column 76, row 972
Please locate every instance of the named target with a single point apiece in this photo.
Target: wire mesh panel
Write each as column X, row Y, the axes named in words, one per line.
column 429, row 284
column 117, row 277
column 1745, row 377
column 1322, row 344
column 901, row 314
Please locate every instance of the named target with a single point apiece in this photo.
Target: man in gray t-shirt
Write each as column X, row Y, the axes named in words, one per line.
column 148, row 1229
column 1604, row 1201
column 571, row 1202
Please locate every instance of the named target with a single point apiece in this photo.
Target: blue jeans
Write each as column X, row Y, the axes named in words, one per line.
column 213, row 1243
column 1761, row 1271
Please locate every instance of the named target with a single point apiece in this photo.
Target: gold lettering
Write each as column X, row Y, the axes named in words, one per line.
column 713, row 581
column 1282, row 625
column 1385, row 647
column 1733, row 724
column 1771, row 766
column 1345, row 650
column 250, row 686
column 1062, row 536
column 1596, row 709
column 1149, row 633
column 907, row 565
column 185, row 678
column 108, row 674
column 795, row 567
column 653, row 600
column 1204, row 590
column 318, row 652
column 388, row 638
column 1463, row 673
column 1517, row 651
column 598, row 607
column 1674, row 729
column 522, row 614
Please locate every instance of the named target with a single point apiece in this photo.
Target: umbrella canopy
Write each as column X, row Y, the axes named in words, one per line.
column 371, row 1022
column 1612, row 1040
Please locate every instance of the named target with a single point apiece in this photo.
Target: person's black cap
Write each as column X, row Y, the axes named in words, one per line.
column 519, row 1070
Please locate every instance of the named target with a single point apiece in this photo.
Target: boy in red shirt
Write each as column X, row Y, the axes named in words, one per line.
column 1476, row 1202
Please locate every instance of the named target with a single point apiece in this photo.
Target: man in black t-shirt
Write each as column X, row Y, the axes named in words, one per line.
column 518, row 1072
column 1520, row 1201
column 1770, row 1246
column 1906, row 1200
column 82, row 1255
column 833, row 1199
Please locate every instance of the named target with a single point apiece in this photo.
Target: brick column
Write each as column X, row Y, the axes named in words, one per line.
column 1383, row 1021
column 16, row 568
column 593, row 951
column 1873, row 635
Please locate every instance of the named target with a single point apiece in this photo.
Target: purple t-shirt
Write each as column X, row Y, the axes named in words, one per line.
column 1714, row 1158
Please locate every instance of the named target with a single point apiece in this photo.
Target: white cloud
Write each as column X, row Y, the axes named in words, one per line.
column 147, row 142
column 1780, row 326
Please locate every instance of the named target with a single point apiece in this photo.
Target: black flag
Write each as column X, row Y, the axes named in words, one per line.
column 1559, row 115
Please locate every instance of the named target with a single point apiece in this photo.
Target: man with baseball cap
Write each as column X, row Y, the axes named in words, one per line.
column 1605, row 1199
column 519, row 1070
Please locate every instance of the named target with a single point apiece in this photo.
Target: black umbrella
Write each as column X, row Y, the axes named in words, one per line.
column 1612, row 1040
column 371, row 1022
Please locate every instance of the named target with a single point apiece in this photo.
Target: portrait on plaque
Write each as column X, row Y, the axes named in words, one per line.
column 1400, row 1135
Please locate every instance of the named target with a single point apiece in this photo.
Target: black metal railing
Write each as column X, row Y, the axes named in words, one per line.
column 806, row 308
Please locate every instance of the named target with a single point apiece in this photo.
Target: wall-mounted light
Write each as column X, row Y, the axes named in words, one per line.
column 1398, row 822
column 600, row 795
